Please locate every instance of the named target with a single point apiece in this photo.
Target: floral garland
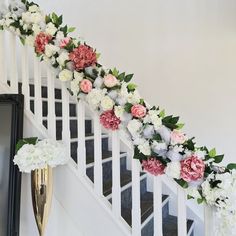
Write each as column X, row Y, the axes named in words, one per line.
column 159, row 144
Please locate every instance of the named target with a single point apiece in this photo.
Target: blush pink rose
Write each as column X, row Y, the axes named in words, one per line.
column 109, row 120
column 86, row 85
column 153, row 166
column 64, row 42
column 177, row 137
column 41, row 40
column 138, row 111
column 110, row 81
column 192, row 168
column 83, row 56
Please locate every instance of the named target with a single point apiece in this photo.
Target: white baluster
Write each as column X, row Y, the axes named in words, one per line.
column 13, row 64
column 116, row 188
column 51, row 103
column 182, row 214
column 37, row 89
column 209, row 221
column 136, row 210
column 98, row 176
column 3, row 75
column 66, row 118
column 25, row 77
column 81, row 151
column 157, row 199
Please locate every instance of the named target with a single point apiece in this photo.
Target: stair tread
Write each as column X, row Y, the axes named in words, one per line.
column 170, row 225
column 105, row 155
column 125, row 178
column 146, row 207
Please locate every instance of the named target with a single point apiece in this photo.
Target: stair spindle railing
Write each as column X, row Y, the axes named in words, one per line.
column 182, row 214
column 3, row 71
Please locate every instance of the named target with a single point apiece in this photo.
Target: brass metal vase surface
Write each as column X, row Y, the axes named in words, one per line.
column 41, row 188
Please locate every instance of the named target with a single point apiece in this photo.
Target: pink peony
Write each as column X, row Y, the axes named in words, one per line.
column 110, row 81
column 153, row 166
column 138, row 111
column 192, row 168
column 41, row 40
column 109, row 120
column 64, row 42
column 177, row 137
column 82, row 57
column 86, row 85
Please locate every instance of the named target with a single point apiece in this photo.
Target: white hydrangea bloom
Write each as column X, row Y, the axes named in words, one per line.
column 51, row 28
column 134, row 97
column 148, row 131
column 63, row 57
column 165, row 133
column 134, row 127
column 74, row 86
column 51, row 49
column 107, row 103
column 159, row 147
column 119, row 111
column 65, row 75
column 173, row 169
column 94, row 97
column 145, row 148
column 29, row 40
column 34, row 8
column 193, row 192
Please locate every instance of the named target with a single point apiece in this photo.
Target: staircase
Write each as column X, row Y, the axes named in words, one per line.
column 141, row 204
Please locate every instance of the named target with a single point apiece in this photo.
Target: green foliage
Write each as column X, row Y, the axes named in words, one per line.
column 128, row 78
column 170, row 122
column 182, row 183
column 231, row 166
column 128, row 107
column 131, row 87
column 138, row 155
column 162, row 113
column 24, row 141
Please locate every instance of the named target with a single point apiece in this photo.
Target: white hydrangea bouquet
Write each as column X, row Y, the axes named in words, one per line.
column 33, row 154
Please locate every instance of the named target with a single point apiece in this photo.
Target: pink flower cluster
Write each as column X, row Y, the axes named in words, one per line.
column 138, row 110
column 109, row 120
column 82, row 57
column 177, row 137
column 192, row 168
column 153, row 166
column 86, row 85
column 41, row 40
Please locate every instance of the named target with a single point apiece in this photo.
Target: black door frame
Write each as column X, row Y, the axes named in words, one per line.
column 17, row 103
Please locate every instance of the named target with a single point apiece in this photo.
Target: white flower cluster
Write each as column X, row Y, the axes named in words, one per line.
column 45, row 152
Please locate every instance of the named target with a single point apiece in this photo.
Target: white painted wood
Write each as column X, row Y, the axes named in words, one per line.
column 98, row 175
column 116, row 186
column 3, row 75
column 81, row 151
column 13, row 65
column 182, row 213
column 209, row 221
column 65, row 118
column 136, row 210
column 157, row 201
column 37, row 90
column 51, row 103
column 25, row 75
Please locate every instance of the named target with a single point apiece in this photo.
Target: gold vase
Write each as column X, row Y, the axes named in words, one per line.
column 41, row 188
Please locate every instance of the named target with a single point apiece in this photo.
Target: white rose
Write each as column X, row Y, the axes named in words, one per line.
column 51, row 28
column 119, row 111
column 134, row 97
column 95, row 97
column 145, row 148
column 78, row 76
column 51, row 49
column 26, row 17
column 60, row 35
column 134, row 126
column 63, row 57
column 36, row 18
column 107, row 103
column 34, row 8
column 173, row 169
column 155, row 119
column 65, row 75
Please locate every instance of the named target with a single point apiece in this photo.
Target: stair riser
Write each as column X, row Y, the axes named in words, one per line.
column 107, row 169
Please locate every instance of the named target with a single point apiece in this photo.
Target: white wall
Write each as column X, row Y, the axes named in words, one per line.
column 182, row 52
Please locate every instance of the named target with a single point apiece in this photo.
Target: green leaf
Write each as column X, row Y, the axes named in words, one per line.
column 138, row 155
column 200, row 200
column 180, row 125
column 157, row 137
column 47, row 19
column 128, row 78
column 71, row 29
column 22, row 142
column 162, row 113
column 212, row 152
column 218, row 158
column 142, row 101
column 54, row 17
column 59, row 20
column 115, row 72
column 231, row 166
column 128, row 107
column 22, row 40
column 190, row 144
column 182, row 183
column 121, row 76
column 131, row 87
